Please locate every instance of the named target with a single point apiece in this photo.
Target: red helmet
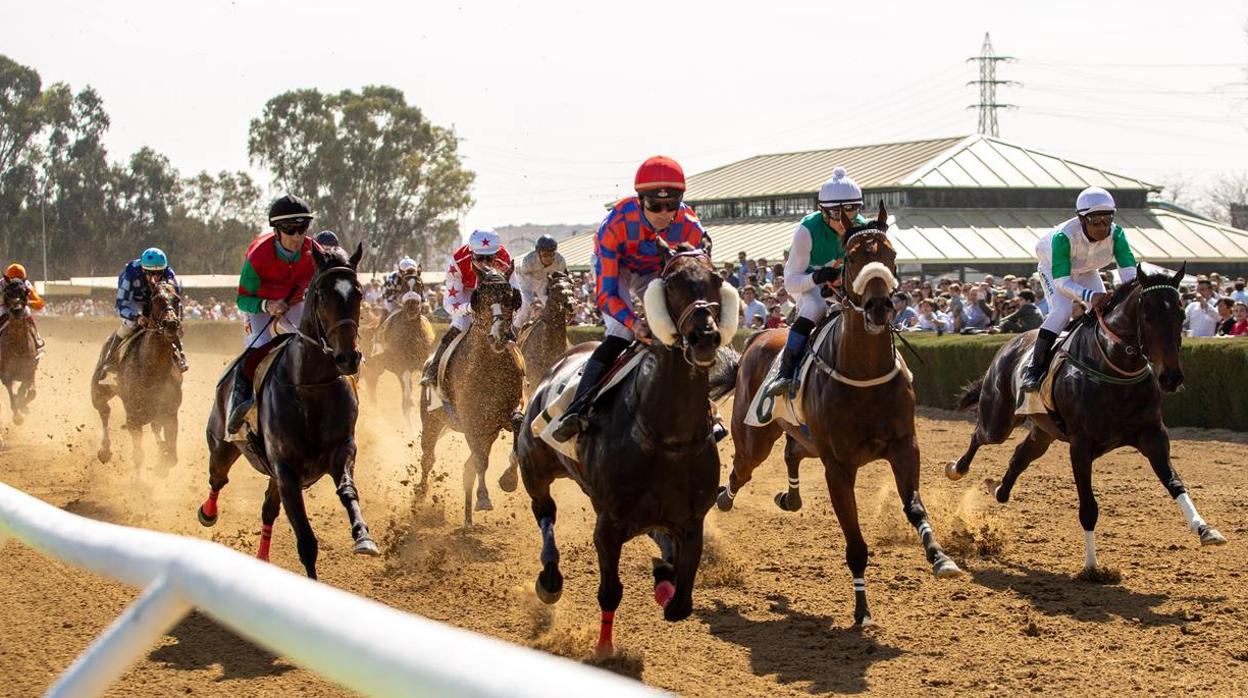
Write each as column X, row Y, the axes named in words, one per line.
column 659, row 172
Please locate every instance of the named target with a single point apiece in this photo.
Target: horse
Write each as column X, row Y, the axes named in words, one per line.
column 18, row 352
column 858, row 403
column 647, row 458
column 306, row 410
column 148, row 381
column 483, row 385
column 405, row 343
column 1106, row 395
column 547, row 338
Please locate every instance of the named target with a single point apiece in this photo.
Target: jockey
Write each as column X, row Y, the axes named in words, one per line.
column 815, row 260
column 627, row 253
column 134, row 291
column 1071, row 258
column 33, row 301
column 533, row 274
column 327, row 238
column 396, row 286
column 276, row 273
column 483, row 251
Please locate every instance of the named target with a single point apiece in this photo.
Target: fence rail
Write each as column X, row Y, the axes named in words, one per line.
column 361, row 644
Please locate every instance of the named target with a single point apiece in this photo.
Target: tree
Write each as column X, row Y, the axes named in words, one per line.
column 217, row 219
column 1229, row 188
column 373, row 168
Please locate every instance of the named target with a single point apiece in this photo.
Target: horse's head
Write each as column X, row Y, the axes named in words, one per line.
column 1151, row 309
column 164, row 312
column 333, row 305
column 412, row 297
column 870, row 273
column 16, row 296
column 704, row 307
column 495, row 298
column 559, row 296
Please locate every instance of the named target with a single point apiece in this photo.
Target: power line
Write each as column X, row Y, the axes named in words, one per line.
column 988, row 83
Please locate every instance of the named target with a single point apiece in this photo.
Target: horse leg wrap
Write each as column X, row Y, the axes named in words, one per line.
column 605, row 645
column 1089, row 550
column 1194, row 521
column 266, row 537
column 210, row 504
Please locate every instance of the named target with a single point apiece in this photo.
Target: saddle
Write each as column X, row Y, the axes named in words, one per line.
column 1041, row 401
column 436, row 392
column 110, row 378
column 256, row 368
column 562, row 389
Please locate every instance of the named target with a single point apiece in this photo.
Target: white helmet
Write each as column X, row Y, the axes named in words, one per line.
column 839, row 190
column 407, row 265
column 1093, row 199
column 484, row 241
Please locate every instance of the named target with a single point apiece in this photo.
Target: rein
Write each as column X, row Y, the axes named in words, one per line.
column 319, row 340
column 1136, row 349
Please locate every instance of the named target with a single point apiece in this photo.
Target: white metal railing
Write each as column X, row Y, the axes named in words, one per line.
column 361, row 644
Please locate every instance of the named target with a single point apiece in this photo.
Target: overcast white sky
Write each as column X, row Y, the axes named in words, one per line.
column 557, row 102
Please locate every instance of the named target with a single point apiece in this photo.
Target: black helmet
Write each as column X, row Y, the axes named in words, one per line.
column 546, row 243
column 289, row 208
column 327, row 238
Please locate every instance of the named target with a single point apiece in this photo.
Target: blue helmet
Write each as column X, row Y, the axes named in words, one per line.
column 153, row 259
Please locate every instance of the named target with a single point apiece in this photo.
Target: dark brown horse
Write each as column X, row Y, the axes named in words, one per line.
column 547, row 339
column 405, row 342
column 306, row 411
column 647, row 458
column 148, row 381
column 18, row 352
column 858, row 404
column 483, row 385
column 1106, row 395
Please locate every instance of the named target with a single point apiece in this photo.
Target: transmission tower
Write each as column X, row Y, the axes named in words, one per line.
column 988, row 83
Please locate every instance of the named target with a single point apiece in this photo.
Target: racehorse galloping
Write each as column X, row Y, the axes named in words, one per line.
column 148, row 381
column 858, row 403
column 647, row 458
column 18, row 351
column 306, row 411
column 547, row 340
column 1106, row 395
column 405, row 344
column 483, row 384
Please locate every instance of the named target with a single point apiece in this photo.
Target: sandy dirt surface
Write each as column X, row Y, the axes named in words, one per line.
column 773, row 606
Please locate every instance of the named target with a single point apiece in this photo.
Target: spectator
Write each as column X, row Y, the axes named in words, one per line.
column 1202, row 316
column 729, row 275
column 774, row 318
column 754, row 313
column 785, row 302
column 903, row 315
column 1026, row 317
column 1239, row 294
column 765, row 273
column 1240, row 328
column 1226, row 321
column 742, row 270
column 930, row 319
column 977, row 314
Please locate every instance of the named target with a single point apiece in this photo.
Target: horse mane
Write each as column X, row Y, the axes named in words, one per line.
column 1120, row 294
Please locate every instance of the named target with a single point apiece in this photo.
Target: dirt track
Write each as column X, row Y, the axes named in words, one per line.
column 772, row 610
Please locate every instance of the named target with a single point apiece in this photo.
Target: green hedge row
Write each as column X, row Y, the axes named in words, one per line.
column 1215, row 370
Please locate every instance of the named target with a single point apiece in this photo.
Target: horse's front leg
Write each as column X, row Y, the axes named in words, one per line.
column 290, row 487
column 903, row 456
column 1154, row 443
column 474, row 471
column 343, row 471
column 841, row 478
column 688, row 557
column 100, row 396
column 14, row 404
column 608, row 540
column 136, row 444
column 221, row 457
column 1081, row 464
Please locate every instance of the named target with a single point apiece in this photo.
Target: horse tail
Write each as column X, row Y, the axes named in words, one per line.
column 970, row 394
column 724, row 373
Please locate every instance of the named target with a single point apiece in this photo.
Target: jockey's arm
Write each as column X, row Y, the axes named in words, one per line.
column 248, row 289
column 796, row 278
column 1123, row 256
column 34, row 300
column 610, row 248
column 458, row 301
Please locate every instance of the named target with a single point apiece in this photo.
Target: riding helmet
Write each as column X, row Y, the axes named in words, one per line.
column 660, row 177
column 327, row 238
column 547, row 243
column 484, row 241
column 153, row 259
column 289, row 207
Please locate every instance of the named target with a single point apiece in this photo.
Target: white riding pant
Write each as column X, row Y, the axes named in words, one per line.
column 633, row 285
column 1062, row 305
column 257, row 329
column 811, row 305
column 462, row 322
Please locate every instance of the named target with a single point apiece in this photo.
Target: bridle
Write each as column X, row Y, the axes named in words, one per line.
column 159, row 325
column 316, row 287
column 498, row 333
column 864, row 236
column 1132, row 349
column 687, row 314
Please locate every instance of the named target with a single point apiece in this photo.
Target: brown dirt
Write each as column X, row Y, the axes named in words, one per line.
column 772, row 616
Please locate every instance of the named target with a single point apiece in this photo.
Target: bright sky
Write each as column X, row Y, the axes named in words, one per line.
column 558, row 102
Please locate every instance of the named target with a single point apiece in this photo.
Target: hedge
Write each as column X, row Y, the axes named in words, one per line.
column 1215, row 370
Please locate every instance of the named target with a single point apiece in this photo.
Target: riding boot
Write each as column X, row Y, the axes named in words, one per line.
column 799, row 334
column 431, row 371
column 107, row 359
column 595, row 368
column 1033, row 376
column 181, row 354
column 242, row 396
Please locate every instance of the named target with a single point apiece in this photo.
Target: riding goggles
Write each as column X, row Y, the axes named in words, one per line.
column 292, row 227
column 849, row 209
column 1100, row 218
column 661, row 205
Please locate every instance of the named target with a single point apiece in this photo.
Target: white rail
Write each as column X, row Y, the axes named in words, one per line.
column 360, row 644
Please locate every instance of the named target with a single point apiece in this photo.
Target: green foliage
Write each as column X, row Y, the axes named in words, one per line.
column 373, row 168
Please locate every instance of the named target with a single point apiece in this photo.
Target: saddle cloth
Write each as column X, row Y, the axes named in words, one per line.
column 786, row 407
column 434, row 392
column 1041, row 401
column 251, row 420
column 562, row 390
column 110, row 378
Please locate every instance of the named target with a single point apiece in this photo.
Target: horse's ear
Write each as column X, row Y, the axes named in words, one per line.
column 359, row 253
column 882, row 219
column 1178, row 276
column 846, row 221
column 318, row 256
column 665, row 250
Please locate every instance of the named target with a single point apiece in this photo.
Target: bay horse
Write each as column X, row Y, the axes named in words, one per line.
column 18, row 352
column 405, row 342
column 647, row 458
column 306, row 410
column 547, row 339
column 1106, row 395
column 483, row 385
column 148, row 381
column 858, row 403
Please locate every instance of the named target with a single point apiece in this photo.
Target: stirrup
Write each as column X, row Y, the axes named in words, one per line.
column 780, row 385
column 237, row 417
column 1031, row 384
column 569, row 426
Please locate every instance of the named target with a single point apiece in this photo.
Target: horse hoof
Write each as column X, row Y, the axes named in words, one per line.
column 483, row 504
column 993, row 487
column 1210, row 536
column 951, row 471
column 663, row 593
column 789, row 502
column 508, row 481
column 723, row 501
column 104, row 455
column 603, row 650
column 17, row 418
column 864, row 622
column 549, row 586
column 677, row 610
column 366, row 546
column 204, row 519
column 946, row 569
